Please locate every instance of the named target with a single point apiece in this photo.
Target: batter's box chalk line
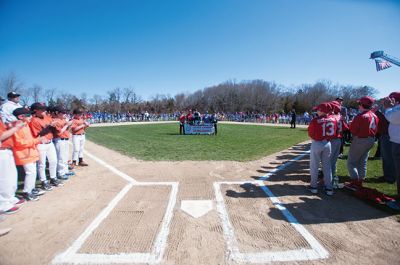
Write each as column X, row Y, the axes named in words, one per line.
column 71, row 255
column 317, row 251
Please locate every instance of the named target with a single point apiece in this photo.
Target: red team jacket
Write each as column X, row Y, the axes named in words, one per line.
column 323, row 128
column 364, row 124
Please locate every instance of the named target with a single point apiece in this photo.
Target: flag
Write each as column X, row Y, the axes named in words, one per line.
column 382, row 65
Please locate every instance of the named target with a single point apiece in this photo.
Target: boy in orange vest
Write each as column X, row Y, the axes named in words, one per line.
column 26, row 153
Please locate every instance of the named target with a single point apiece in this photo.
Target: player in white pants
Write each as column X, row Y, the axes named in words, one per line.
column 8, row 176
column 321, row 130
column 336, row 142
column 78, row 141
column 61, row 137
column 42, row 125
column 78, row 128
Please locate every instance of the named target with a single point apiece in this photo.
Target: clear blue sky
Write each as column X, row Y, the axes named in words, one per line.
column 168, row 47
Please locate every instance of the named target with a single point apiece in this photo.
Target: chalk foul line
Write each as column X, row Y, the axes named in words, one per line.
column 317, row 251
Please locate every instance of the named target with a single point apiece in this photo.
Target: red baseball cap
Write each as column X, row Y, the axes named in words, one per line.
column 324, row 107
column 366, row 101
column 335, row 106
column 395, row 95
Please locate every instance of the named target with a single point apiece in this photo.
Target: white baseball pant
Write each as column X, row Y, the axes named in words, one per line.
column 8, row 180
column 30, row 177
column 62, row 150
column 320, row 152
column 47, row 151
column 78, row 142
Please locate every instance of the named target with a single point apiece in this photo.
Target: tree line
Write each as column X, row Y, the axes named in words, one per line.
column 252, row 96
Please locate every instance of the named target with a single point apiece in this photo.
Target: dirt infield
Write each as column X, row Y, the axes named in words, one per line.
column 119, row 205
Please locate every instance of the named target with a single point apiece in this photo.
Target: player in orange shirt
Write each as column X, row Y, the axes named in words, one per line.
column 8, row 177
column 60, row 140
column 41, row 125
column 78, row 128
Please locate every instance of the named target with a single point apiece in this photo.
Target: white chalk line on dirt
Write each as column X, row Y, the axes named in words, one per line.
column 71, row 255
column 317, row 251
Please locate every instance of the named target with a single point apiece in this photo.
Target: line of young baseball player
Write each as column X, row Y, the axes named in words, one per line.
column 326, row 131
column 37, row 136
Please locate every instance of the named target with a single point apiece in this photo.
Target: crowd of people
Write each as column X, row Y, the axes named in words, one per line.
column 34, row 140
column 372, row 121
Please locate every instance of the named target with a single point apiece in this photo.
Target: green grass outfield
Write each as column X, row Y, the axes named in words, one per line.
column 162, row 141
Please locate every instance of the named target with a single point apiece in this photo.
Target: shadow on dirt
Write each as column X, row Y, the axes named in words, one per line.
column 312, row 209
column 307, row 208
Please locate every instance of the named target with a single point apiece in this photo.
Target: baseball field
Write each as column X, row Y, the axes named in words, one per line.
column 152, row 196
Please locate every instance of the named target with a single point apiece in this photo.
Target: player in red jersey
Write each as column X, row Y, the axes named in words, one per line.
column 321, row 130
column 363, row 128
column 336, row 142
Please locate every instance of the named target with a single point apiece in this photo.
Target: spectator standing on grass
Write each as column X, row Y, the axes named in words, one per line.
column 306, row 118
column 321, row 130
column 78, row 128
column 293, row 119
column 363, row 128
column 9, row 106
column 392, row 114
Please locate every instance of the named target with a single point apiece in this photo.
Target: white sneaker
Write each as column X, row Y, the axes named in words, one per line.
column 4, row 231
column 312, row 190
column 329, row 192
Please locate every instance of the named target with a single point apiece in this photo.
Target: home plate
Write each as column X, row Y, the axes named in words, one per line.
column 196, row 208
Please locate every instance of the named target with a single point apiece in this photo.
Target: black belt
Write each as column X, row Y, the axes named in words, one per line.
column 79, row 134
column 64, row 139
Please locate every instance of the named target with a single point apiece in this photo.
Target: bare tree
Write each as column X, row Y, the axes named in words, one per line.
column 36, row 93
column 115, row 95
column 128, row 94
column 49, row 94
column 26, row 97
column 11, row 82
